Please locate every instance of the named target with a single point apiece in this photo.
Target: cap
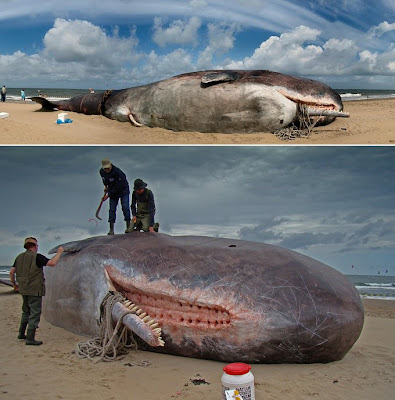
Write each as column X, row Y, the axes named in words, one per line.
column 30, row 240
column 106, row 163
column 139, row 184
column 237, row 368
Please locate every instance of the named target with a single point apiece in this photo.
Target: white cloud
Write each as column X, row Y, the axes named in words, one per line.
column 222, row 36
column 80, row 52
column 342, row 233
column 381, row 29
column 196, row 4
column 284, row 53
column 221, row 40
column 178, row 32
column 74, row 51
column 295, row 53
column 81, row 41
column 177, row 61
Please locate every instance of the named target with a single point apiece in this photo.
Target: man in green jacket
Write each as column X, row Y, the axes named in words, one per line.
column 143, row 208
column 28, row 268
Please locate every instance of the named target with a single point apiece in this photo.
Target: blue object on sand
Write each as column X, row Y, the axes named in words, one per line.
column 66, row 121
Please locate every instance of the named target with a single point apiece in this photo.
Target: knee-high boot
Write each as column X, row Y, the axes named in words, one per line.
column 30, row 340
column 22, row 330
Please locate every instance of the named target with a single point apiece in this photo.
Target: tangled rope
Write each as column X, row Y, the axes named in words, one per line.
column 113, row 343
column 303, row 129
column 106, row 95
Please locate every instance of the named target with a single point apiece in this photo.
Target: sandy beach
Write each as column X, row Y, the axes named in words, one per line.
column 371, row 122
column 52, row 371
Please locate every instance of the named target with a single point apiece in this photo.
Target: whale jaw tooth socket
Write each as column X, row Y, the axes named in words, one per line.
column 143, row 316
column 134, row 323
column 327, row 113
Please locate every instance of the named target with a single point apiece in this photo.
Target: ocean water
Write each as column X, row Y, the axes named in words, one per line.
column 365, row 94
column 14, row 94
column 374, row 286
column 368, row 286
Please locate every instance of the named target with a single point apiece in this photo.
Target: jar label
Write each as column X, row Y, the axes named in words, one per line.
column 244, row 391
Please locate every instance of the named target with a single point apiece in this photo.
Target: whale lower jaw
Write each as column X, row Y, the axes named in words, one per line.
column 168, row 310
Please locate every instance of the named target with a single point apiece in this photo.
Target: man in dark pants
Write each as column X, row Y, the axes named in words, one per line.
column 143, row 208
column 28, row 267
column 116, row 187
column 3, row 93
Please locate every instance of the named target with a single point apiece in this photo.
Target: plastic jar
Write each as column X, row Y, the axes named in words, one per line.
column 237, row 376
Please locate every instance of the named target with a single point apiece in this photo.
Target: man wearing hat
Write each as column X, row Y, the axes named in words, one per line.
column 143, row 208
column 28, row 268
column 116, row 187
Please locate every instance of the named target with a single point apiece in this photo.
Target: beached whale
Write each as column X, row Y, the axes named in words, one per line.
column 232, row 101
column 213, row 298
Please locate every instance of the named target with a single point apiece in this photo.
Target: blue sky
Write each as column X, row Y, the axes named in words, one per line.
column 335, row 204
column 121, row 43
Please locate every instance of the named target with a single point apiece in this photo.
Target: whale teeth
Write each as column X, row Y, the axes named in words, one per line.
column 142, row 315
column 158, row 331
column 145, row 319
column 150, row 322
column 127, row 303
column 153, row 325
column 131, row 306
column 134, row 309
column 139, row 311
column 161, row 342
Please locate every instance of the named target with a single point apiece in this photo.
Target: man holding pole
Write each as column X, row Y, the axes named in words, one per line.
column 116, row 187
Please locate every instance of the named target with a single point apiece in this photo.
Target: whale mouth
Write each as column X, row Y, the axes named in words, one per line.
column 313, row 106
column 169, row 310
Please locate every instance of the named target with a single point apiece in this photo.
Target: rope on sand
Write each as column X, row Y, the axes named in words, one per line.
column 303, row 129
column 114, row 342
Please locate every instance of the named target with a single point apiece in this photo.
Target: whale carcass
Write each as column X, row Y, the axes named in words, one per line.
column 230, row 101
column 212, row 298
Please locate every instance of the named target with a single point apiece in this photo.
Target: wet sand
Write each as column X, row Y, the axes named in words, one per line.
column 371, row 122
column 52, row 371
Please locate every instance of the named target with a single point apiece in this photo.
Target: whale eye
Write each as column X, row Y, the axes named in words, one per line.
column 281, row 121
column 232, row 245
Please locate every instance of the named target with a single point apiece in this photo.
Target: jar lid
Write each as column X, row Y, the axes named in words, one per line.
column 237, row 369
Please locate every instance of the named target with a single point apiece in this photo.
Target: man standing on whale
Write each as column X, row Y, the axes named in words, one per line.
column 116, row 187
column 143, row 208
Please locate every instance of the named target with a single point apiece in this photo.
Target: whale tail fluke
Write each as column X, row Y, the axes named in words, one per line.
column 46, row 104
